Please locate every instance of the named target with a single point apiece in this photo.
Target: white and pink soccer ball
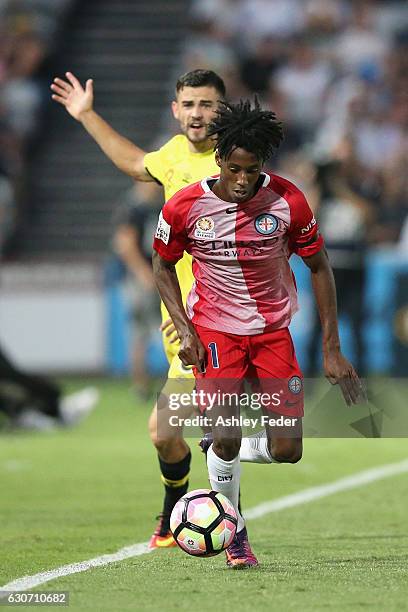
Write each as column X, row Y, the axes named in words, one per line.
column 203, row 523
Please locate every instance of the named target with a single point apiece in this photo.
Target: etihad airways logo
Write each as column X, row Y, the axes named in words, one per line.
column 238, row 248
column 215, row 245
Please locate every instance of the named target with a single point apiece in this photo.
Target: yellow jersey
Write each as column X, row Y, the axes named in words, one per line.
column 175, row 167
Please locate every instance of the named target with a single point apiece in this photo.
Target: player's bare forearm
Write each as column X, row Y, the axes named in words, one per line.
column 126, row 156
column 165, row 276
column 324, row 290
column 337, row 368
column 78, row 102
column 191, row 351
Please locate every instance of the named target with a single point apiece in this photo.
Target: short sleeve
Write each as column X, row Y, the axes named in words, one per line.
column 304, row 236
column 170, row 240
column 155, row 165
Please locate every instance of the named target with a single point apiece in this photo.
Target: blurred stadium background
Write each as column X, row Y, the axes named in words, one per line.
column 335, row 72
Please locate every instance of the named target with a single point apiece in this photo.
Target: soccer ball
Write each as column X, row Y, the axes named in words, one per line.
column 203, row 523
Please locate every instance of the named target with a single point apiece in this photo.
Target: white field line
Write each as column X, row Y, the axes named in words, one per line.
column 343, row 484
column 289, row 501
column 29, row 582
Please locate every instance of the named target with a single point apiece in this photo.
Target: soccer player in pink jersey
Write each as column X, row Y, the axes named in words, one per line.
column 241, row 229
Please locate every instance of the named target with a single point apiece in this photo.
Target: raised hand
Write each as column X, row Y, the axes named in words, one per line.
column 72, row 95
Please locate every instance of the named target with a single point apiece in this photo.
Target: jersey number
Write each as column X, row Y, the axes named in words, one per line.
column 214, row 354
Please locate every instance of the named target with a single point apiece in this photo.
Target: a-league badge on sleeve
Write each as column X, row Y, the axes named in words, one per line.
column 163, row 230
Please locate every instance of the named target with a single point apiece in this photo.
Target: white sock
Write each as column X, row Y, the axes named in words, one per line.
column 224, row 477
column 254, row 449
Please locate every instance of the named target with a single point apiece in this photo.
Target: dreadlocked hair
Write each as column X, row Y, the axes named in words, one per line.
column 240, row 126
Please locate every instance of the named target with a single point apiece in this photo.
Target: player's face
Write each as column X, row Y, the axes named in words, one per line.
column 194, row 109
column 239, row 174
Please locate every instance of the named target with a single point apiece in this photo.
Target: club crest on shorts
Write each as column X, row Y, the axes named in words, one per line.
column 266, row 224
column 204, row 228
column 295, row 385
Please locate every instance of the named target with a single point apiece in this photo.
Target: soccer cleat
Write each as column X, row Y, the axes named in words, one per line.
column 77, row 406
column 239, row 554
column 162, row 536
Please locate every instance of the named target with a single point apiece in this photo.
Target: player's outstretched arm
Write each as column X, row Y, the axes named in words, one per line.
column 192, row 352
column 337, row 368
column 78, row 102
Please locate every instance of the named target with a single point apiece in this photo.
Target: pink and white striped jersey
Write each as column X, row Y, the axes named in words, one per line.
column 243, row 282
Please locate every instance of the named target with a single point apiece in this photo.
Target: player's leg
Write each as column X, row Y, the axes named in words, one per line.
column 280, row 379
column 285, row 443
column 225, row 370
column 262, row 447
column 174, row 462
column 173, row 452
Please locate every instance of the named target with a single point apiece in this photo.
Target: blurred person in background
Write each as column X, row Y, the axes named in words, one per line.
column 136, row 219
column 22, row 94
column 324, row 18
column 28, row 401
column 258, row 19
column 345, row 218
column 23, row 51
column 302, row 82
column 361, row 44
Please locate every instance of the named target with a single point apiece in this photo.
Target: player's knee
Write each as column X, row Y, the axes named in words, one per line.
column 227, row 449
column 171, row 450
column 286, row 452
column 159, row 440
column 165, row 448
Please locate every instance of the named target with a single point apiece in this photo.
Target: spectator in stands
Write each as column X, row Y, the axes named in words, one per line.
column 21, row 92
column 361, row 45
column 28, row 33
column 281, row 19
column 303, row 81
column 261, row 62
column 324, row 18
column 216, row 19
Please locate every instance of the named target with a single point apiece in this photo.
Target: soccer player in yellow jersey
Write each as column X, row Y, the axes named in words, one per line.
column 185, row 159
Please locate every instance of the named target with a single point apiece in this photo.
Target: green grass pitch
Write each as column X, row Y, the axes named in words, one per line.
column 76, row 494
